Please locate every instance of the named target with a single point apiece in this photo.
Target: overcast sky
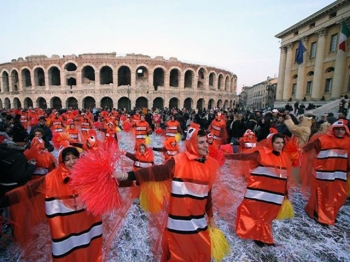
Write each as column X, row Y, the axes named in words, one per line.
column 235, row 35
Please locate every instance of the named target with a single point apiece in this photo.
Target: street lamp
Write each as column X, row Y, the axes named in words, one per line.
column 129, row 103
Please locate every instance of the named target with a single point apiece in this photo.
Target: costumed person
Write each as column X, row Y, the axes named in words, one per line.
column 156, row 118
column 45, row 161
column 172, row 127
column 192, row 174
column 143, row 156
column 90, row 141
column 76, row 234
column 217, row 128
column 326, row 163
column 248, row 141
column 170, row 149
column 73, row 132
column 111, row 133
column 142, row 129
column 86, row 123
column 266, row 190
column 25, row 119
column 57, row 124
column 302, row 131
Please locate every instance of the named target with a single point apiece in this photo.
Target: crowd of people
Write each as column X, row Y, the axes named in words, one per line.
column 256, row 141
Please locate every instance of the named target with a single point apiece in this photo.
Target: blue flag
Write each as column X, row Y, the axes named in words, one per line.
column 300, row 51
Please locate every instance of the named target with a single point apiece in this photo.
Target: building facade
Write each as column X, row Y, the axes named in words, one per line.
column 259, row 96
column 324, row 73
column 102, row 80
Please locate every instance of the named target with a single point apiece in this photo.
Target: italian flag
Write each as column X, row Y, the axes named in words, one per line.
column 344, row 34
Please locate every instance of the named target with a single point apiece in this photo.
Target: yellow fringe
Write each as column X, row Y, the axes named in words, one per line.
column 178, row 137
column 153, row 195
column 219, row 244
column 286, row 210
column 348, row 185
column 147, row 140
column 117, row 129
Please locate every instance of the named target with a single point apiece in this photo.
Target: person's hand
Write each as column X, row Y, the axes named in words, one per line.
column 287, row 116
column 32, row 161
column 211, row 223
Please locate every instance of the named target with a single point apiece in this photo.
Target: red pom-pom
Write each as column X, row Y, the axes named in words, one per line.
column 127, row 126
column 92, row 179
column 291, row 148
column 159, row 131
column 60, row 139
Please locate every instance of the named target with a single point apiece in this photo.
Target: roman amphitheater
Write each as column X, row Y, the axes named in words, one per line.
column 106, row 79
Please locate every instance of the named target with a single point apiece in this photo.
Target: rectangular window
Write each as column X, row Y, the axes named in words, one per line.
column 309, row 87
column 328, row 87
column 333, row 44
column 294, row 89
column 313, row 50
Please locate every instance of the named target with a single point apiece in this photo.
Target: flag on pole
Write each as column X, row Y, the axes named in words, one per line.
column 300, row 51
column 344, row 34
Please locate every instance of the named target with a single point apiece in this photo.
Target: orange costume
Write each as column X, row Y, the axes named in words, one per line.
column 142, row 128
column 142, row 160
column 217, row 128
column 76, row 234
column 172, row 127
column 247, row 141
column 24, row 120
column 45, row 160
column 266, row 190
column 186, row 236
column 73, row 132
column 170, row 148
column 329, row 189
column 57, row 124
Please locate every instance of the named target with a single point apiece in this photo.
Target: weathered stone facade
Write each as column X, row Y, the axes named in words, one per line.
column 116, row 81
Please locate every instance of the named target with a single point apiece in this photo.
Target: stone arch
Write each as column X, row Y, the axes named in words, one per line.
column 89, row 101
column 56, row 102
column 212, row 79
column 124, row 76
column 72, row 102
column 173, row 103
column 227, row 84
column 188, row 103
column 226, row 104
column 41, row 103
column 106, row 102
column 39, row 76
column 5, row 81
column 28, row 102
column 142, row 75
column 7, row 103
column 16, row 103
column 88, row 75
column 158, row 78
column 200, row 104
column 70, row 66
column 310, row 73
column 202, row 74
column 141, row 102
column 219, row 103
column 15, row 79
column 211, row 104
column 174, row 77
column 295, row 76
column 106, row 75
column 189, row 78
column 158, row 102
column 54, row 76
column 220, row 82
column 232, row 85
column 124, row 102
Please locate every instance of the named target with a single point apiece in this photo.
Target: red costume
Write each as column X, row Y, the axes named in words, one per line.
column 266, row 190
column 329, row 189
column 142, row 128
column 172, row 127
column 217, row 128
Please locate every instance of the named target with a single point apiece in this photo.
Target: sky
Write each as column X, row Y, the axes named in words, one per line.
column 235, row 35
